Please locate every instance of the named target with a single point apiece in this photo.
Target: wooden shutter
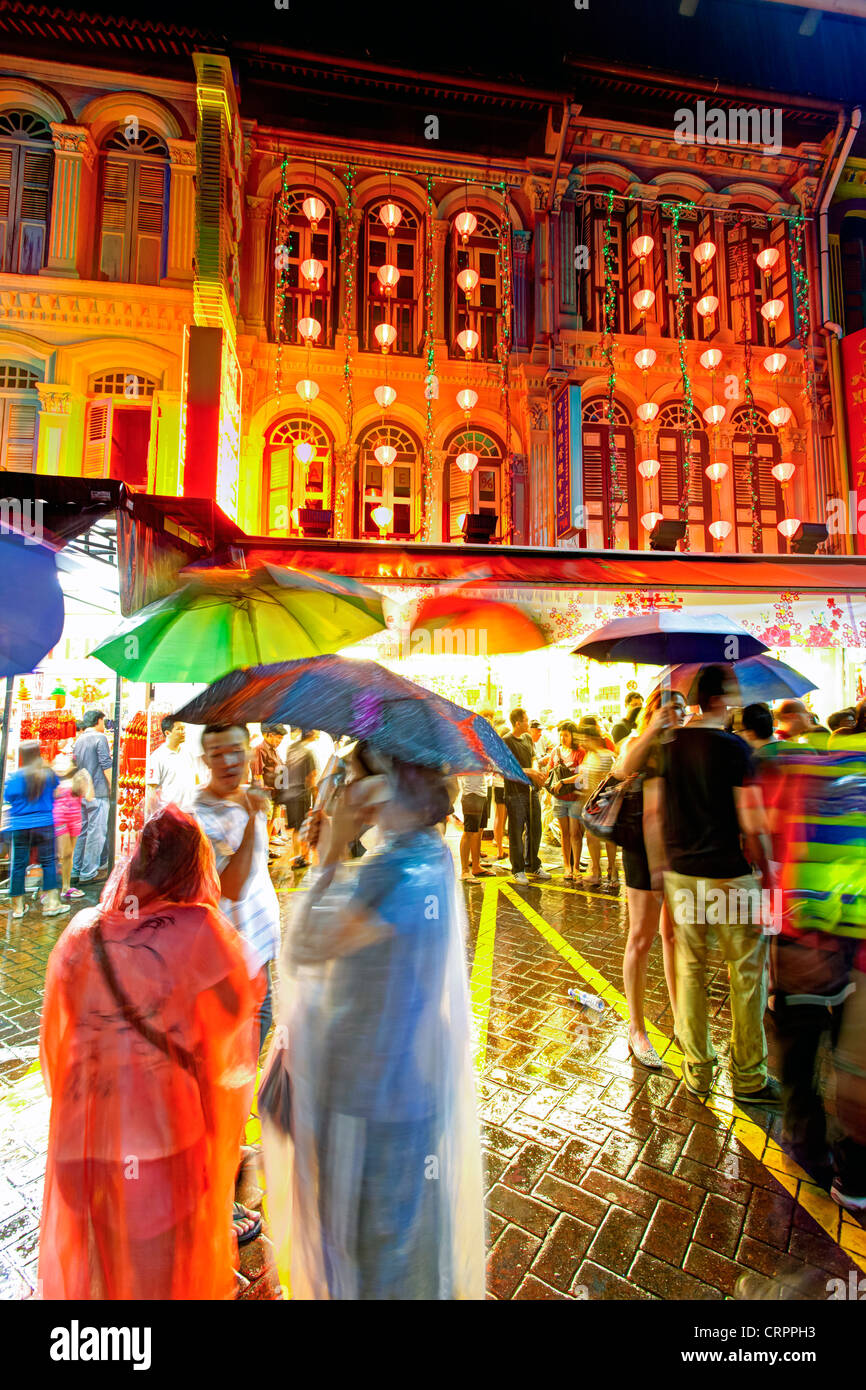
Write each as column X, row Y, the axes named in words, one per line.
column 659, row 271
column 636, row 224
column 149, row 222
column 670, row 474
column 459, row 497
column 279, row 473
column 7, row 177
column 593, row 469
column 97, row 442
column 596, row 263
column 34, row 203
column 708, row 280
column 781, row 284
column 116, row 220
column 20, row 423
column 741, row 283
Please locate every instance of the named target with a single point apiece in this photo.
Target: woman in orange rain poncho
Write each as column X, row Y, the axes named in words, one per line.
column 148, row 1052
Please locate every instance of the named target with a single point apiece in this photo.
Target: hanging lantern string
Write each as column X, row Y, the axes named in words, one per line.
column 430, row 365
column 725, row 213
column 349, row 263
column 503, row 352
column 608, row 351
column 674, row 210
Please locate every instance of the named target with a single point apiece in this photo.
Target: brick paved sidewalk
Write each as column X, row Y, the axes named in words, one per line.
column 603, row 1180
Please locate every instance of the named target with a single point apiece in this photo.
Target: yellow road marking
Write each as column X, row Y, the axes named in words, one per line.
column 481, row 979
column 787, row 1173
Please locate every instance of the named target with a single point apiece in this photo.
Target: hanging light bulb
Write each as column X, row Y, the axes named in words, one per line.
column 643, row 300
column 467, row 280
column 707, row 306
column 390, row 216
column 385, row 454
column 720, row 529
column 775, row 362
column 381, row 516
column 772, row 311
column 647, row 411
column 304, row 451
column 650, row 519
column 780, row 415
column 309, row 329
column 385, row 334
column 704, row 252
column 467, row 400
column 714, row 414
column 314, row 210
column 313, row 271
column 716, row 472
column 467, row 461
column 641, row 247
column 385, row 396
column 645, row 358
column 789, row 527
column 388, row 275
column 467, row 339
column 711, row 358
column 767, row 259
column 648, row 468
column 465, row 222
column 783, row 472
column 307, row 390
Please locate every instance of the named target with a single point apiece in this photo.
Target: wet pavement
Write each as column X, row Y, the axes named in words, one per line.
column 604, row 1180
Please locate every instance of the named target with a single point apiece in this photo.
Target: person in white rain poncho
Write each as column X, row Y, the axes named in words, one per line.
column 369, row 1123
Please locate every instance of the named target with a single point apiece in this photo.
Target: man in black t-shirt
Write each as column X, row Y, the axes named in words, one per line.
column 705, row 828
column 522, row 804
column 626, row 726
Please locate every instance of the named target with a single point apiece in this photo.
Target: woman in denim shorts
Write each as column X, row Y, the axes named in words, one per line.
column 569, row 798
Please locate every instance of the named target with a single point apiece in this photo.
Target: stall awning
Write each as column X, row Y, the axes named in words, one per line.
column 562, row 569
column 61, row 508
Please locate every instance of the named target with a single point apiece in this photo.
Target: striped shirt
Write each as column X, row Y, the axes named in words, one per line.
column 256, row 914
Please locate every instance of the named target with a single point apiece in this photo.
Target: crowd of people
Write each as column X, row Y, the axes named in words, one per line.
column 738, row 827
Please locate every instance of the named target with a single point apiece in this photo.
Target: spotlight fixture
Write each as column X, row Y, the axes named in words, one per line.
column 478, row 527
column 666, row 534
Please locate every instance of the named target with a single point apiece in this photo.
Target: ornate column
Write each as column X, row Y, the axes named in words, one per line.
column 436, row 499
column 256, row 277
column 72, row 203
column 181, row 213
column 519, row 499
column 724, row 509
column 345, row 456
column 55, row 417
column 349, row 226
column 440, row 323
column 521, row 242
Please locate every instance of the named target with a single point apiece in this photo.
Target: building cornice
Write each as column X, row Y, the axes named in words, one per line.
column 107, row 79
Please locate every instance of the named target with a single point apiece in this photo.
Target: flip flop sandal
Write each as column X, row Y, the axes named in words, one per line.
column 240, row 1216
column 482, row 873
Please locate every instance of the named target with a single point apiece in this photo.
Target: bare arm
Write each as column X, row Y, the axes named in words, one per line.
column 237, row 870
column 752, row 815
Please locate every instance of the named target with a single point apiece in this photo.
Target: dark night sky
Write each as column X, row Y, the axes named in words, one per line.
column 748, row 42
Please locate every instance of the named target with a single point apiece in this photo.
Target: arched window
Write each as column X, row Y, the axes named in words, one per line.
column 481, row 310
column 131, row 385
column 404, row 249
column 396, row 486
column 134, row 204
column 291, row 293
column 478, row 491
column 767, row 454
column 26, row 166
column 602, row 533
column 852, row 252
column 298, row 493
column 672, row 420
column 19, row 418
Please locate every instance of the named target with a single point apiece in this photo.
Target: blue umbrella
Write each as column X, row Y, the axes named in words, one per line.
column 760, row 680
column 31, row 603
column 668, row 638
column 359, row 699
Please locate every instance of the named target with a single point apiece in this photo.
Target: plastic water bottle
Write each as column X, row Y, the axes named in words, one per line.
column 589, row 1001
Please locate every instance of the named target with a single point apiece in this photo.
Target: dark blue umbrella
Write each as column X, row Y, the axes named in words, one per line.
column 759, row 678
column 669, row 638
column 358, row 699
column 31, row 603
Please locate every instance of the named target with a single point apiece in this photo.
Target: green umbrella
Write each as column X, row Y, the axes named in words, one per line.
column 224, row 618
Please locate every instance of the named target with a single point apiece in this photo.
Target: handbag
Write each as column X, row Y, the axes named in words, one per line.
column 615, row 813
column 275, row 1094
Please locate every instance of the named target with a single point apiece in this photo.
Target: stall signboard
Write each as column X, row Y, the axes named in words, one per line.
column 568, row 470
column 854, row 376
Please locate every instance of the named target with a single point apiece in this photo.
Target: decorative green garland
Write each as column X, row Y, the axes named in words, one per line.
column 608, row 352
column 757, row 538
column 675, row 210
column 281, row 279
column 349, row 265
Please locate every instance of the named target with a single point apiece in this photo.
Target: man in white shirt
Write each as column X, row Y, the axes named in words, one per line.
column 234, row 818
column 171, row 775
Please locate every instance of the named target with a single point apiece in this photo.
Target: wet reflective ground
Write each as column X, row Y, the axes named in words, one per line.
column 604, row 1180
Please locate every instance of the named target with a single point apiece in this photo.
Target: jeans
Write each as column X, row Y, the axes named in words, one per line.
column 524, row 817
column 91, row 841
column 744, row 947
column 266, row 1008
column 23, row 841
